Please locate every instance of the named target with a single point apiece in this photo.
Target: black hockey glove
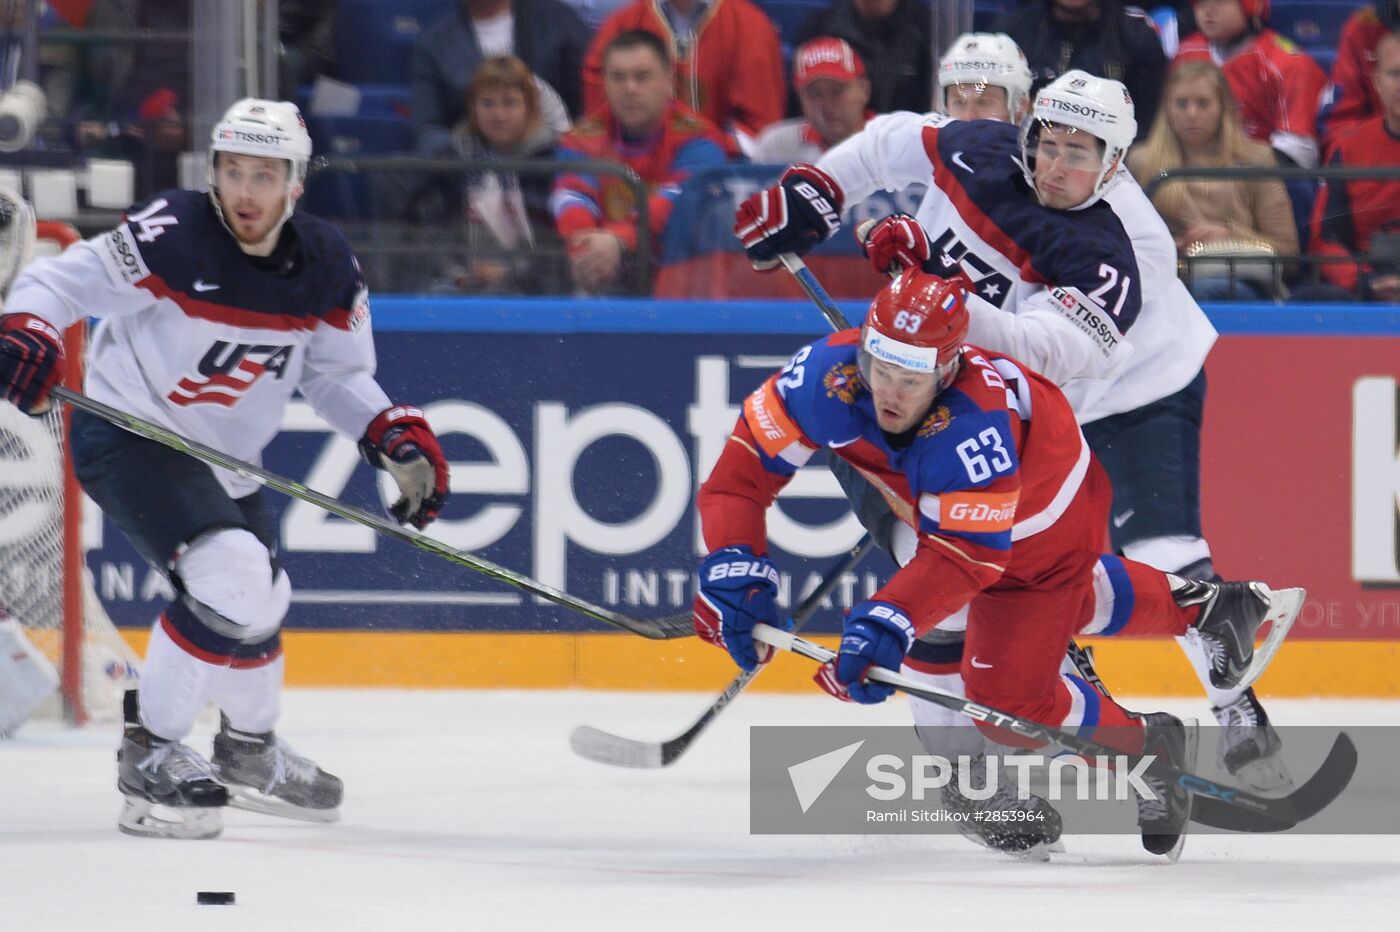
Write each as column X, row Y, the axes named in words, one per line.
column 798, row 213
column 400, row 442
column 31, row 361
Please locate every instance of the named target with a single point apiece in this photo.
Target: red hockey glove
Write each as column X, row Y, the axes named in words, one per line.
column 895, row 243
column 31, row 361
column 799, row 212
column 400, row 442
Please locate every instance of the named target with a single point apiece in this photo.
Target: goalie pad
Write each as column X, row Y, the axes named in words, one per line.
column 26, row 677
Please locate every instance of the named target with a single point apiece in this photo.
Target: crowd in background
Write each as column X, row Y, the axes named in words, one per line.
column 669, row 88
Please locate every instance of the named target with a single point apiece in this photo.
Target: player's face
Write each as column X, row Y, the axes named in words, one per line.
column 1194, row 111
column 252, row 194
column 638, row 87
column 836, row 109
column 502, row 116
column 976, row 102
column 1220, row 20
column 901, row 396
column 1388, row 80
column 1066, row 166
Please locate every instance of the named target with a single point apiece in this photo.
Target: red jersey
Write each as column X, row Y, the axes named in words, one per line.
column 684, row 143
column 1280, row 89
column 999, row 459
column 1348, row 213
column 1355, row 97
column 731, row 73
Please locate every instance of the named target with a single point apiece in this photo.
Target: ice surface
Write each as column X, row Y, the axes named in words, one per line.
column 466, row 810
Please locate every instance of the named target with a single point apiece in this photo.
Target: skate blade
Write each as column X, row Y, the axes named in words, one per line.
column 1283, row 611
column 145, row 819
column 242, row 797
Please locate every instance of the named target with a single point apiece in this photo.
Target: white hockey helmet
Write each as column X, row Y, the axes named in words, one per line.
column 985, row 58
column 1101, row 107
column 272, row 129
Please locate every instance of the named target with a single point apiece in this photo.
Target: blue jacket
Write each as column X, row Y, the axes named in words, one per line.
column 549, row 37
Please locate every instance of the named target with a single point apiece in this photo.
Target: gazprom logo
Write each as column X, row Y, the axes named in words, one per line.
column 896, row 353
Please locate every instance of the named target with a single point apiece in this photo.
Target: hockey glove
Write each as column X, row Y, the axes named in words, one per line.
column 897, row 242
column 400, row 442
column 875, row 634
column 802, row 210
column 31, row 361
column 736, row 593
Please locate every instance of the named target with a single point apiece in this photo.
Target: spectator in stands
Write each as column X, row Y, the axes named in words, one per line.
column 545, row 34
column 728, row 63
column 640, row 125
column 835, row 94
column 595, row 12
column 1102, row 37
column 1360, row 219
column 305, row 43
column 1279, row 87
column 506, row 215
column 1199, row 126
column 895, row 37
column 1354, row 92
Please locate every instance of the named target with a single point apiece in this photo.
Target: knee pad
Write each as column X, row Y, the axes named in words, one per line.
column 228, row 581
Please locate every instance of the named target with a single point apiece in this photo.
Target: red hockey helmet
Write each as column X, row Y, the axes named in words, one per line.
column 918, row 322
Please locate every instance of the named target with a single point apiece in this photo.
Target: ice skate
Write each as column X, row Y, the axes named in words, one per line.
column 1231, row 615
column 1030, row 838
column 1249, row 746
column 1165, row 818
column 153, row 772
column 265, row 775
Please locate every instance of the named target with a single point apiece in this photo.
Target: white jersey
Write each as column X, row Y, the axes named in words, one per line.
column 787, row 142
column 1089, row 298
column 201, row 339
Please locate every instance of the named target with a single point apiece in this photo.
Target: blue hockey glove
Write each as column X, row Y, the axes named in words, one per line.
column 799, row 212
column 737, row 590
column 875, row 634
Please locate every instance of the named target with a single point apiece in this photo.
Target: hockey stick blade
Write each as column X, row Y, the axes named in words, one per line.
column 1326, row 784
column 607, row 748
column 657, row 629
column 1254, row 813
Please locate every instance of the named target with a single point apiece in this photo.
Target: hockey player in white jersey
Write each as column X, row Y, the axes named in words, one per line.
column 1064, row 253
column 215, row 309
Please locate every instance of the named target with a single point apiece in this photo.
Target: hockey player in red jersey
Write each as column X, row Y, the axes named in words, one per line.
column 982, row 459
column 215, row 309
column 1279, row 87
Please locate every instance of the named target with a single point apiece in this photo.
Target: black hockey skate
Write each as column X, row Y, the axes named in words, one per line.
column 998, row 822
column 265, row 775
column 1164, row 818
column 153, row 772
column 1249, row 745
column 1231, row 615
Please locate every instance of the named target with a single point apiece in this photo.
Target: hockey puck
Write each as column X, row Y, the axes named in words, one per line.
column 214, row 898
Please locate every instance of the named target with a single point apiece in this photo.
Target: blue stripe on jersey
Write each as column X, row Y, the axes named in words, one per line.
column 1123, row 596
column 1092, row 706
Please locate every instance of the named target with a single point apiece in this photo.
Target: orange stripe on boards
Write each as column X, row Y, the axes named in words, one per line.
column 497, row 660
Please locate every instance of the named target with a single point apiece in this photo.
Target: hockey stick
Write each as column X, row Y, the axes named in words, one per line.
column 1253, row 813
column 607, row 748
column 658, row 629
column 808, row 282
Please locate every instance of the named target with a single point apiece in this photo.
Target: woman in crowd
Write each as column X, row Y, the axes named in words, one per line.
column 1199, row 126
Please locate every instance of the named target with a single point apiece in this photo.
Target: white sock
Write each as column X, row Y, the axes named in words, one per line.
column 251, row 697
column 174, row 687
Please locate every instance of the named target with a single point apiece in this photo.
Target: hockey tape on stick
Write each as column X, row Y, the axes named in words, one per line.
column 1249, row 812
column 658, row 629
column 607, row 748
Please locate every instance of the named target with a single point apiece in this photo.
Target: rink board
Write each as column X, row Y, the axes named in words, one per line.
column 580, row 431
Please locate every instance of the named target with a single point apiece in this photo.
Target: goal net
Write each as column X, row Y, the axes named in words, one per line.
column 44, row 581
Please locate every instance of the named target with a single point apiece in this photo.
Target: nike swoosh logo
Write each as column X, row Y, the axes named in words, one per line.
column 957, row 160
column 199, row 285
column 1120, row 520
column 981, row 666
